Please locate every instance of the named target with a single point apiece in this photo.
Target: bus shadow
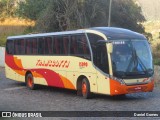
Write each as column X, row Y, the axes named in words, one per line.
column 71, row 93
column 55, row 90
column 127, row 97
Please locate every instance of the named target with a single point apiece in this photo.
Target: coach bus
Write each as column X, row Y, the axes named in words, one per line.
column 102, row 60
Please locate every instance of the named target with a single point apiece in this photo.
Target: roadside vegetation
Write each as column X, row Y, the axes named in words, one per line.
column 153, row 27
column 61, row 15
column 14, row 26
column 29, row 16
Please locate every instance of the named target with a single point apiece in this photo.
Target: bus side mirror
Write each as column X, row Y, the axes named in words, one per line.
column 109, row 47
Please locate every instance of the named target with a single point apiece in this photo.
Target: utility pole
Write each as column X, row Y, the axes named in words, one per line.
column 109, row 15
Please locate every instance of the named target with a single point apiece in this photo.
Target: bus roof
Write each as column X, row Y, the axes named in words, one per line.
column 46, row 34
column 112, row 33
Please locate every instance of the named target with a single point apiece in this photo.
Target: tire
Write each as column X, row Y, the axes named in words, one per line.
column 30, row 82
column 85, row 89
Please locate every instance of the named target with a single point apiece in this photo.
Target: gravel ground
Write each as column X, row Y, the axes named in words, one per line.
column 14, row 96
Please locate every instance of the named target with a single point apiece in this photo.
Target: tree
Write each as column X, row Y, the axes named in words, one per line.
column 127, row 14
column 60, row 15
column 71, row 14
column 32, row 8
column 7, row 8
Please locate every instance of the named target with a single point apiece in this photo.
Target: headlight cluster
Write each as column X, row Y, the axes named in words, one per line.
column 117, row 79
column 147, row 80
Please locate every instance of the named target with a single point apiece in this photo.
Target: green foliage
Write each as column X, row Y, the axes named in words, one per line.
column 76, row 14
column 7, row 8
column 149, row 36
column 158, row 47
column 28, row 30
column 156, row 54
column 3, row 39
column 32, row 8
column 72, row 14
column 156, row 61
column 58, row 15
column 126, row 14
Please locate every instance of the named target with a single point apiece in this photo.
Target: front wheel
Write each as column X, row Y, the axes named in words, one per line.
column 86, row 88
column 30, row 82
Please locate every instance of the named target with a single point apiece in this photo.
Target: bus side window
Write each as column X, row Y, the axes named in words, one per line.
column 73, row 46
column 34, row 47
column 65, row 45
column 85, row 45
column 10, row 46
column 53, row 45
column 16, row 47
column 83, row 49
column 93, row 38
column 28, row 46
column 41, row 46
column 22, row 46
column 57, row 45
column 19, row 47
column 61, row 47
column 48, row 45
column 102, row 58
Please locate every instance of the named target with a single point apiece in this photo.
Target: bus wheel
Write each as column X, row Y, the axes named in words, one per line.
column 30, row 82
column 86, row 88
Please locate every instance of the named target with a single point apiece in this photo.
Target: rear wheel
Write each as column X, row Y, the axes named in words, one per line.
column 30, row 82
column 86, row 88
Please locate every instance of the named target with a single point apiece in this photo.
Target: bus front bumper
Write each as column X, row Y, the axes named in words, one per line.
column 117, row 88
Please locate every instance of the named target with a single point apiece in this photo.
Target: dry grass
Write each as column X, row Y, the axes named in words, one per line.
column 153, row 27
column 13, row 26
column 16, row 22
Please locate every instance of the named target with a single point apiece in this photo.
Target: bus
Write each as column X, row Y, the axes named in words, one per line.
column 101, row 60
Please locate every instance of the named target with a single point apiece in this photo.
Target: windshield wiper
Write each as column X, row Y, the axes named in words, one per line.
column 137, row 63
column 150, row 71
column 135, row 73
column 120, row 74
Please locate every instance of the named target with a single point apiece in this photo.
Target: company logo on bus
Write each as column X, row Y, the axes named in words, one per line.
column 53, row 63
column 83, row 64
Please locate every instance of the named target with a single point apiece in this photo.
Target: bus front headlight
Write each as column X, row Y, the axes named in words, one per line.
column 118, row 79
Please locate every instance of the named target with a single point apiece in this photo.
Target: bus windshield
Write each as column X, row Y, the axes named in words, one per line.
column 131, row 58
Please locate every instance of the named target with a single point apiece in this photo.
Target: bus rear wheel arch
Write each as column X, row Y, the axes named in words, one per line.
column 83, row 87
column 29, row 79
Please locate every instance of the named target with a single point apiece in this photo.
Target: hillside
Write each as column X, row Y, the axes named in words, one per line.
column 153, row 27
column 13, row 26
column 150, row 9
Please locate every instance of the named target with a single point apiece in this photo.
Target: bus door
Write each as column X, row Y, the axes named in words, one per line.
column 102, row 69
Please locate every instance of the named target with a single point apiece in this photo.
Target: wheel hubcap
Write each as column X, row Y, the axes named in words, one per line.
column 84, row 88
column 30, row 82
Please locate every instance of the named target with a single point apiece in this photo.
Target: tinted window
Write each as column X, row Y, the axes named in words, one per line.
column 48, row 45
column 79, row 46
column 41, row 46
column 10, row 47
column 28, row 46
column 57, row 45
column 34, row 46
column 22, row 46
column 19, row 46
column 61, row 45
column 73, row 46
column 102, row 58
column 65, row 45
column 93, row 38
column 82, row 45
